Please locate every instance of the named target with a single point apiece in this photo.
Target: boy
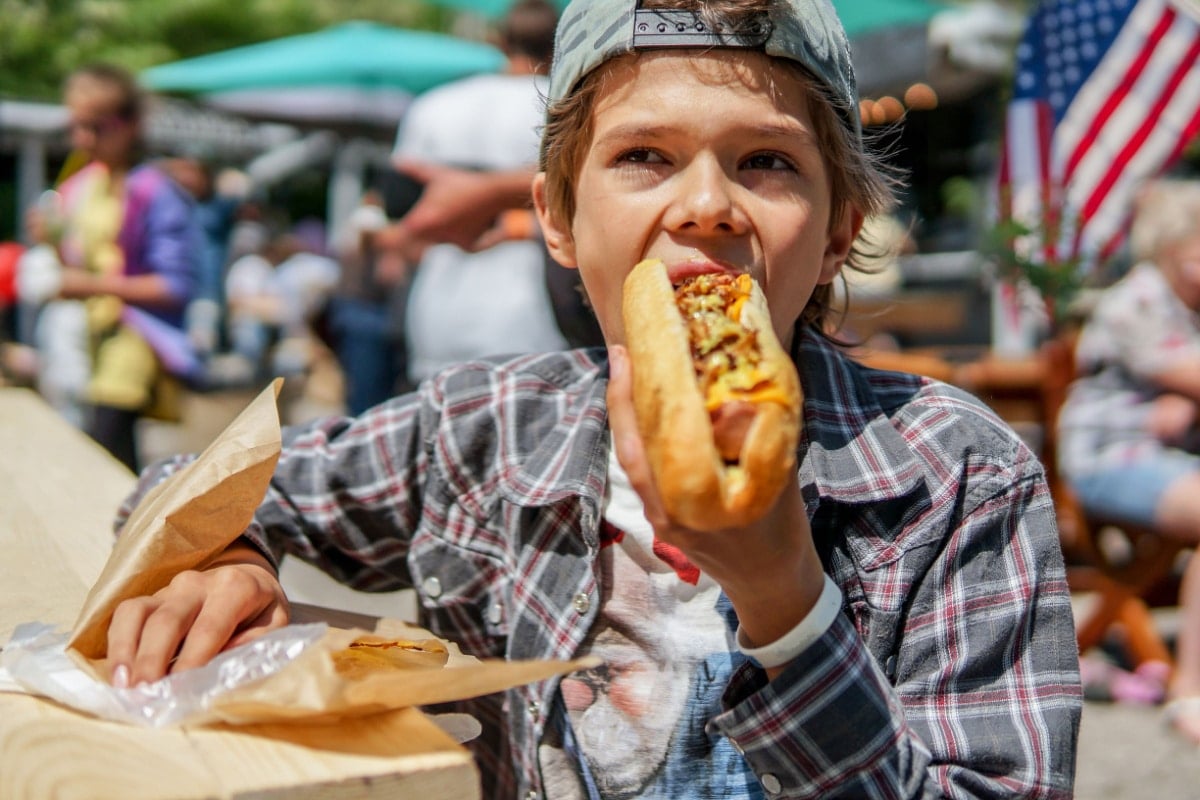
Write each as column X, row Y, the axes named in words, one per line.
column 897, row 626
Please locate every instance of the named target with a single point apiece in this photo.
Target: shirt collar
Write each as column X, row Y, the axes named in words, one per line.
column 851, row 452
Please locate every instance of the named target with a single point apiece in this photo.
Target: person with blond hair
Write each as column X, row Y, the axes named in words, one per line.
column 1129, row 431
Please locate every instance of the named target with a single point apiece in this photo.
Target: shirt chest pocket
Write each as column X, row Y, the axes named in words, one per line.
column 462, row 592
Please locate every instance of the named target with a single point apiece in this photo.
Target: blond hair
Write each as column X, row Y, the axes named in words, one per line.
column 857, row 176
column 1165, row 212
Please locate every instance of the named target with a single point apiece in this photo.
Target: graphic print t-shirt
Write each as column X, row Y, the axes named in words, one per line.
column 635, row 726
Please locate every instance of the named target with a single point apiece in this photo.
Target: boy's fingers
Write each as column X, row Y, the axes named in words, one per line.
column 211, row 630
column 125, row 631
column 631, row 453
column 236, row 598
column 272, row 617
column 161, row 636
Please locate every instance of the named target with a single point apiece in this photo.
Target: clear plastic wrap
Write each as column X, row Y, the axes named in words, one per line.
column 36, row 659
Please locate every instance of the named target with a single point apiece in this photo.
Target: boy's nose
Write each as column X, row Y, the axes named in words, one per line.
column 705, row 201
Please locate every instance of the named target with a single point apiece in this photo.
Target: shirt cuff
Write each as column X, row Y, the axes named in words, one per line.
column 799, row 638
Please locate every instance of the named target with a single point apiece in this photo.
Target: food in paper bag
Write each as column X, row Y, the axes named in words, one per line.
column 371, row 654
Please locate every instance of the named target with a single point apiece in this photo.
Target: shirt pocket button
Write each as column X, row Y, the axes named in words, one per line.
column 432, row 587
column 582, row 603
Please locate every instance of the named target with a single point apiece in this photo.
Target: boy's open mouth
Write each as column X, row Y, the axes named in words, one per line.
column 683, row 270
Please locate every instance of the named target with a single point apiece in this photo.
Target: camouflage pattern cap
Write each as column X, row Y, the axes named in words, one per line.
column 590, row 32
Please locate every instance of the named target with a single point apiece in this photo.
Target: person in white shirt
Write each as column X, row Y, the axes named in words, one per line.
column 464, row 305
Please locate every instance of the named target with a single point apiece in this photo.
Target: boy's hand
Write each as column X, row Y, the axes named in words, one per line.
column 234, row 599
column 769, row 570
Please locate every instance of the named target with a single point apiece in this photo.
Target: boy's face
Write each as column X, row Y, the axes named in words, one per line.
column 707, row 161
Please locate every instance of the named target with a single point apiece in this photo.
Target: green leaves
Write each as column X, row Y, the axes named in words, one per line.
column 41, row 41
column 1018, row 252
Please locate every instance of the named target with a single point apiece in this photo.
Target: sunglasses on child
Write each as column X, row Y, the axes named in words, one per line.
column 97, row 127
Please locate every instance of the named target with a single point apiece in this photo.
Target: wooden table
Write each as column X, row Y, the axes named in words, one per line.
column 58, row 494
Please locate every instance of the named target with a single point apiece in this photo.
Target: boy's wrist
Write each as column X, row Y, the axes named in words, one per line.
column 799, row 638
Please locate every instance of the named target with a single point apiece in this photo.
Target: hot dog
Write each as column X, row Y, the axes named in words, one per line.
column 717, row 398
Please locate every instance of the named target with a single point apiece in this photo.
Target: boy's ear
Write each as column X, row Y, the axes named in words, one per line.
column 841, row 239
column 556, row 234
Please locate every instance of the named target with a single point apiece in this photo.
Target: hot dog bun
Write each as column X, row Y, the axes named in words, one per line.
column 701, row 488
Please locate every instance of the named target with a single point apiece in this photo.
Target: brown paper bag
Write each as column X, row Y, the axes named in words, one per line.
column 187, row 519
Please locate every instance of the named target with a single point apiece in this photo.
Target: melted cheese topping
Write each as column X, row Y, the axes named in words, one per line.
column 726, row 354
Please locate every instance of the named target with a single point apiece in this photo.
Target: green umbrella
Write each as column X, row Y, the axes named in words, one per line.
column 492, row 9
column 356, row 72
column 859, row 16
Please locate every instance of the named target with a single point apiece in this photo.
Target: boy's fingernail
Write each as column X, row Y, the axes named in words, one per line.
column 120, row 677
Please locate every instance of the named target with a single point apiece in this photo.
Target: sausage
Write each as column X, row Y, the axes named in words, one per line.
column 731, row 422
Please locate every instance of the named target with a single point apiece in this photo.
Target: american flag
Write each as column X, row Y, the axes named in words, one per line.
column 1107, row 94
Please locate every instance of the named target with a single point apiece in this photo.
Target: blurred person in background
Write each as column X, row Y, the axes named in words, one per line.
column 125, row 244
column 465, row 305
column 366, row 317
column 1129, row 440
column 275, row 297
column 218, row 197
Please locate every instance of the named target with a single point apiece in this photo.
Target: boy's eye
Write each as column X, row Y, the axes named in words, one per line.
column 767, row 161
column 640, row 155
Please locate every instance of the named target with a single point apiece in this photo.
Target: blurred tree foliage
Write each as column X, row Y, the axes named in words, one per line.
column 41, row 41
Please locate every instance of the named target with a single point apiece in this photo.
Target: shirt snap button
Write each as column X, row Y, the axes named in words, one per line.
column 771, row 784
column 533, row 708
column 531, row 795
column 495, row 613
column 432, row 587
column 582, row 603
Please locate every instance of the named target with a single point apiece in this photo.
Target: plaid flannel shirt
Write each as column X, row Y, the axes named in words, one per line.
column 952, row 672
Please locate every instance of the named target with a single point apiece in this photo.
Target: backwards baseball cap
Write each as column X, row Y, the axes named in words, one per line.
column 591, row 32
